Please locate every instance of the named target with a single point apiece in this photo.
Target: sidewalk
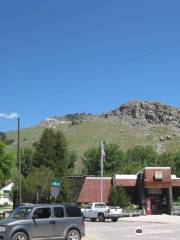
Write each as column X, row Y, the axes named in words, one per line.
column 153, row 219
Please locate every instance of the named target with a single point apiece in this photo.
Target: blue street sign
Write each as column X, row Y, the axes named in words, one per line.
column 55, row 182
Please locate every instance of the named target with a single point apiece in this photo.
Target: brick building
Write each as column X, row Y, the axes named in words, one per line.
column 153, row 187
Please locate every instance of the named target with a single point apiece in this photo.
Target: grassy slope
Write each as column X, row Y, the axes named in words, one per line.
column 89, row 134
column 84, row 135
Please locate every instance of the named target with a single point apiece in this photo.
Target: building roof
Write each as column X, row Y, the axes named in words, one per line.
column 125, row 176
column 157, row 168
column 91, row 190
column 125, row 180
column 7, row 187
column 175, row 181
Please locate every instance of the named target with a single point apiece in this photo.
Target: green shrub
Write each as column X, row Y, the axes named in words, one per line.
column 119, row 197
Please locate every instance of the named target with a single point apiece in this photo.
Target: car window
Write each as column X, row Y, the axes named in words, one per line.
column 59, row 212
column 42, row 213
column 73, row 211
column 20, row 213
column 89, row 206
column 100, row 205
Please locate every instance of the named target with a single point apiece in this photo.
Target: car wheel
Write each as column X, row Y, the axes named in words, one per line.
column 73, row 235
column 114, row 219
column 93, row 219
column 19, row 236
column 101, row 217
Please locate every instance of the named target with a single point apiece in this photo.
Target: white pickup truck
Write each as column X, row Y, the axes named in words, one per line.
column 101, row 211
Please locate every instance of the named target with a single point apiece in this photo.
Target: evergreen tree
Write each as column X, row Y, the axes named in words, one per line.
column 52, row 158
column 119, row 197
column 51, row 152
column 26, row 157
column 114, row 160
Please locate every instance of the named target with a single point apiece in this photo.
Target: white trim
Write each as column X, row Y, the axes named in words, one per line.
column 125, row 176
column 98, row 178
column 174, row 177
column 158, row 168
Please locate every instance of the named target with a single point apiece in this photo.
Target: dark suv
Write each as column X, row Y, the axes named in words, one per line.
column 44, row 221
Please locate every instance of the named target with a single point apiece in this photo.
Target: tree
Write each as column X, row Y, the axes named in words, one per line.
column 114, row 160
column 37, row 181
column 167, row 159
column 44, row 150
column 140, row 157
column 6, row 164
column 51, row 152
column 26, row 157
column 177, row 164
column 91, row 161
column 119, row 197
column 68, row 190
column 71, row 159
column 171, row 159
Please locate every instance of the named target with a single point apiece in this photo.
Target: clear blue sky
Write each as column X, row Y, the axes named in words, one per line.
column 66, row 56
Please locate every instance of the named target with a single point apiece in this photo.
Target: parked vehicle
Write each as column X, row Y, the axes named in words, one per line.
column 176, row 209
column 101, row 211
column 44, row 221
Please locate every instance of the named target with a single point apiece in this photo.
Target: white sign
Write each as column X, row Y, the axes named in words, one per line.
column 54, row 192
column 158, row 175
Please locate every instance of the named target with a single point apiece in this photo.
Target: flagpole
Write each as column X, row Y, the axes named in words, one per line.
column 102, row 159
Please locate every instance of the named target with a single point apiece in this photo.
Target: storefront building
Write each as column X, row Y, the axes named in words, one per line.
column 152, row 189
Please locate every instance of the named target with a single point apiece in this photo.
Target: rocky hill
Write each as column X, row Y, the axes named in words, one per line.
column 137, row 122
column 143, row 112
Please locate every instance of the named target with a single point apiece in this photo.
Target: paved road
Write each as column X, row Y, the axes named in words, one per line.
column 127, row 230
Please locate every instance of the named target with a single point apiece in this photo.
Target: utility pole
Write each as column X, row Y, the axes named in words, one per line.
column 19, row 161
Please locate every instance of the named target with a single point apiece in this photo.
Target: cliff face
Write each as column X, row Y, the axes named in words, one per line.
column 142, row 112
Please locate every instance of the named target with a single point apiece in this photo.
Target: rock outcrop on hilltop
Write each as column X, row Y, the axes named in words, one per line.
column 142, row 112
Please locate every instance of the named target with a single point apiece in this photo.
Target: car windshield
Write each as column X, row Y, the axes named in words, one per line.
column 20, row 213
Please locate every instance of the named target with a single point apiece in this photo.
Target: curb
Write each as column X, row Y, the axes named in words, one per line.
column 144, row 221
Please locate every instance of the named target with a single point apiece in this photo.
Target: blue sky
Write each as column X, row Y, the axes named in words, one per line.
column 59, row 57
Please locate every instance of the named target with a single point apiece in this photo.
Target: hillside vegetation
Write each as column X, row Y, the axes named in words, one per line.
column 134, row 123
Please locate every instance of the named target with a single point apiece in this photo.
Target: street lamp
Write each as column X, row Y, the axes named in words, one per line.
column 16, row 116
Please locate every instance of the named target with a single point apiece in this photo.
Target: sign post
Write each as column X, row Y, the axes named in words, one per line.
column 55, row 183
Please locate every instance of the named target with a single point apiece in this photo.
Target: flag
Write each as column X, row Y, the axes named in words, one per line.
column 102, row 160
column 103, row 154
